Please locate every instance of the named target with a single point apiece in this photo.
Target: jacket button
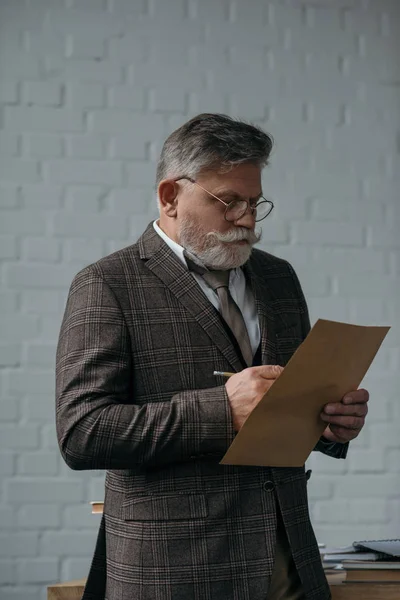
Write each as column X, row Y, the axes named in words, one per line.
column 268, row 486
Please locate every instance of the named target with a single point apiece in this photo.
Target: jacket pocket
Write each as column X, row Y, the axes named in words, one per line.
column 175, row 507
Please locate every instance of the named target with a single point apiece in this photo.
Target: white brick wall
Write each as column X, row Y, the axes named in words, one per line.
column 88, row 91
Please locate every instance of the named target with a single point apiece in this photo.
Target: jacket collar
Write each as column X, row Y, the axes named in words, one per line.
column 162, row 261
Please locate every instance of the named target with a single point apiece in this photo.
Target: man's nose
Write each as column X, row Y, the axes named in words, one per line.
column 247, row 219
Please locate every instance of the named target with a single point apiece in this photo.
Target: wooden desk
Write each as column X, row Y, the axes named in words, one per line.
column 73, row 590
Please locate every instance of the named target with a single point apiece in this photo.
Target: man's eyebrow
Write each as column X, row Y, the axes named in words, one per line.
column 237, row 195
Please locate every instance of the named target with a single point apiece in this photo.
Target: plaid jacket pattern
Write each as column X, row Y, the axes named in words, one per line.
column 136, row 395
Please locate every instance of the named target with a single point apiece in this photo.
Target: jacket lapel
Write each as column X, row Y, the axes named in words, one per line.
column 264, row 304
column 162, row 261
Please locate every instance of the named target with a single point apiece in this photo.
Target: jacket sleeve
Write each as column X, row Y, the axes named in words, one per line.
column 100, row 425
column 334, row 449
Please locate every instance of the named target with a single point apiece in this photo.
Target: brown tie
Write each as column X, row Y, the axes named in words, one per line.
column 219, row 282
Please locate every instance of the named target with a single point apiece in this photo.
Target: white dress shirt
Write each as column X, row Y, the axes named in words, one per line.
column 241, row 293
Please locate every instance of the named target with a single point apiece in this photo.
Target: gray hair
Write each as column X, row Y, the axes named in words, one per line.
column 212, row 141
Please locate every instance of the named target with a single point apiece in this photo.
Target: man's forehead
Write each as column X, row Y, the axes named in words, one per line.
column 242, row 179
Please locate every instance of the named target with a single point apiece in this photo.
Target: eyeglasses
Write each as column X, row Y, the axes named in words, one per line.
column 237, row 208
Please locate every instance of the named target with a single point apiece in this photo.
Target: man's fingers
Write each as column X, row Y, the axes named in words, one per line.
column 357, row 397
column 338, row 408
column 352, row 422
column 268, row 371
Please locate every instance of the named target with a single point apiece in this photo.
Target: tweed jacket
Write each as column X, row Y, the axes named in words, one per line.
column 136, row 396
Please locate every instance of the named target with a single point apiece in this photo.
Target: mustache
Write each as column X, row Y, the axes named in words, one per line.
column 236, row 235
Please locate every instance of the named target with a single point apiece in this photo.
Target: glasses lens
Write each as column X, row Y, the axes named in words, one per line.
column 263, row 209
column 235, row 210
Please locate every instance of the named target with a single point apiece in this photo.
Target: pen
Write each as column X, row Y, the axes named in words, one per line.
column 223, row 373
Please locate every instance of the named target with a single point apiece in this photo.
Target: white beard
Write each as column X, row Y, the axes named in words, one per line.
column 217, row 250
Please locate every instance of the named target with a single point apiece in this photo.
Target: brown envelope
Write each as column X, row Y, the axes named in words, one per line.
column 285, row 426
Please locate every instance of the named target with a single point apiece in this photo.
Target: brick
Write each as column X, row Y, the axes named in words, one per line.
column 43, row 43
column 42, row 195
column 168, row 99
column 39, row 516
column 86, row 44
column 18, row 544
column 40, row 354
column 201, row 101
column 315, row 284
column 82, row 18
column 9, row 196
column 19, row 437
column 85, row 95
column 26, row 67
column 29, row 381
column 50, row 325
column 353, row 260
column 44, row 146
column 75, row 568
column 372, row 485
column 332, row 512
column 366, row 510
column 8, row 247
column 49, row 437
column 17, row 328
column 7, row 463
column 9, row 92
column 42, row 302
column 21, row 593
column 100, row 226
column 140, row 173
column 367, row 285
column 366, row 461
column 87, row 146
column 41, row 249
column 9, row 143
column 9, row 409
column 8, row 301
column 78, row 517
column 326, row 233
column 8, row 572
column 346, row 210
column 77, row 543
column 85, row 198
column 41, row 119
column 23, row 221
column 38, row 407
column 105, row 72
column 335, row 309
column 38, row 463
column 142, row 127
column 96, row 487
column 42, row 93
column 35, row 276
column 393, row 460
column 80, row 250
column 126, row 146
column 39, row 570
column 382, row 237
column 7, row 519
column 125, row 97
column 370, row 310
column 84, row 171
column 39, row 490
column 384, row 431
column 17, row 169
column 128, row 201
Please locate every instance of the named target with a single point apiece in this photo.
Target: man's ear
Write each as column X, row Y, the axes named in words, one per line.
column 168, row 197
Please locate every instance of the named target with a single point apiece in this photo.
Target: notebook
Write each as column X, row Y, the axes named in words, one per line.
column 389, row 547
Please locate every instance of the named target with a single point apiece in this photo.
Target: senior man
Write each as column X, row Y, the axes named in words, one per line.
column 143, row 332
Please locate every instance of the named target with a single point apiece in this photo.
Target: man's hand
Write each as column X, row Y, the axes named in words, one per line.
column 245, row 390
column 346, row 418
